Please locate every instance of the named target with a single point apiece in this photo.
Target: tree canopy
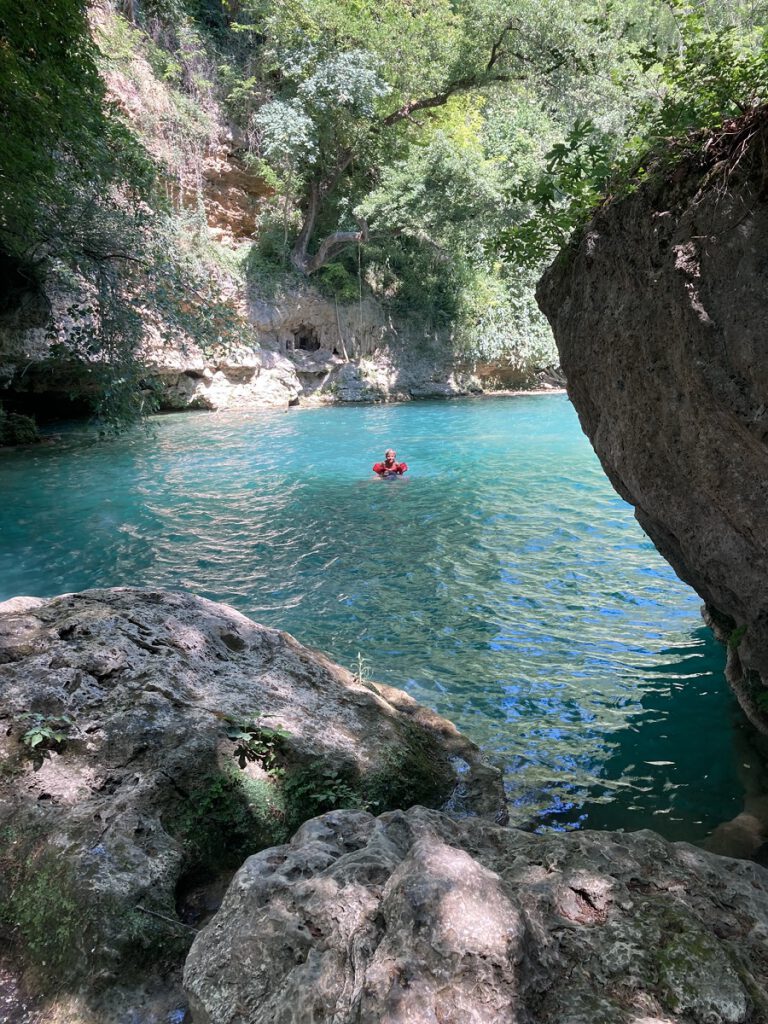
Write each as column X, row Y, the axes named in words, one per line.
column 432, row 153
column 365, row 95
column 65, row 153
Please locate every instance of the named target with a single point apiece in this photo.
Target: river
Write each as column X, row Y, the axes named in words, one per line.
column 502, row 582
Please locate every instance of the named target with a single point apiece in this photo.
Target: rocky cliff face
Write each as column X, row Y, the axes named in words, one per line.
column 660, row 312
column 307, row 350
column 302, row 348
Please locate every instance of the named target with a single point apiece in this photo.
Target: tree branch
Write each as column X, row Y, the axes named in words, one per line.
column 484, row 77
column 319, row 190
column 333, row 244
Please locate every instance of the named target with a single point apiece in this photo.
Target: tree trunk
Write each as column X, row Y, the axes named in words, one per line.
column 299, row 253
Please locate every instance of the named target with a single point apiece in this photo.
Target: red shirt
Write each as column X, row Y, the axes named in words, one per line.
column 384, row 470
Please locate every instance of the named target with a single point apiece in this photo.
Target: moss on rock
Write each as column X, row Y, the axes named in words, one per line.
column 17, row 429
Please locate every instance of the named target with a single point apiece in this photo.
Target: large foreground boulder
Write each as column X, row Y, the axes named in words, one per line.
column 151, row 741
column 414, row 918
column 660, row 313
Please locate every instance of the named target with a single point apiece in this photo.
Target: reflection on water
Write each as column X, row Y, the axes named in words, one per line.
column 672, row 766
column 502, row 582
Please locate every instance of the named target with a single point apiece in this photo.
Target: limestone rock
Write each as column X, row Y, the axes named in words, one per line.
column 230, row 378
column 412, row 918
column 660, row 315
column 20, row 604
column 103, row 833
column 319, row 362
column 303, row 320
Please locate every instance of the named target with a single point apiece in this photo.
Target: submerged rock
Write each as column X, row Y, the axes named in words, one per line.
column 151, row 741
column 413, row 917
column 659, row 311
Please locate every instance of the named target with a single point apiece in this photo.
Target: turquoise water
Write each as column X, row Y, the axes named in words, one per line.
column 502, row 582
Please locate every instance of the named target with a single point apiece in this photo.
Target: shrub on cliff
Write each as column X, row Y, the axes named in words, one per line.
column 17, row 429
column 713, row 67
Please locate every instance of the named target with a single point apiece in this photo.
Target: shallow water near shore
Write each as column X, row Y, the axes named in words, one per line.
column 502, row 582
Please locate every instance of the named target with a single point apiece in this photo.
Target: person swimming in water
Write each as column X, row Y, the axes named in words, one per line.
column 390, row 467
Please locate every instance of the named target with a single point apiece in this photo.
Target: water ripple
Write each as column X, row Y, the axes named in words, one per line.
column 502, row 581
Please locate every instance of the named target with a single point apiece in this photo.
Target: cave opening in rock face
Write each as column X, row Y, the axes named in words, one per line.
column 304, row 338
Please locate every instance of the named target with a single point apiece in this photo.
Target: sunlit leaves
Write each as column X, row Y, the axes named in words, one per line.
column 346, row 80
column 287, row 133
column 63, row 145
column 443, row 192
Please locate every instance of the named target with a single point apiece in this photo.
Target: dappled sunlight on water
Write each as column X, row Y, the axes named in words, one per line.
column 502, row 582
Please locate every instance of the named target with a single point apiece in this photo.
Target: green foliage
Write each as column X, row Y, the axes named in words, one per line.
column 454, row 132
column 83, row 206
column 257, row 743
column 718, row 71
column 287, row 134
column 571, row 183
column 44, row 734
column 17, row 429
column 43, row 910
column 443, row 194
column 56, row 922
column 499, row 321
column 705, row 71
column 339, row 282
column 734, row 640
column 368, row 111
column 69, row 168
column 319, row 788
column 226, row 817
column 174, row 104
column 183, row 284
column 412, row 771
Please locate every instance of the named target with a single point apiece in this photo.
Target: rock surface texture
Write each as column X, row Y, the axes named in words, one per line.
column 109, row 835
column 237, row 378
column 414, row 918
column 249, row 378
column 313, row 351
column 660, row 313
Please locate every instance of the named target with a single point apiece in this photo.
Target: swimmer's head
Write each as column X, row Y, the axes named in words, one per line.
column 389, row 455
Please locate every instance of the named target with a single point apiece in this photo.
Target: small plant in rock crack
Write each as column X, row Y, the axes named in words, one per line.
column 320, row 788
column 259, row 743
column 42, row 735
column 736, row 636
column 362, row 672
